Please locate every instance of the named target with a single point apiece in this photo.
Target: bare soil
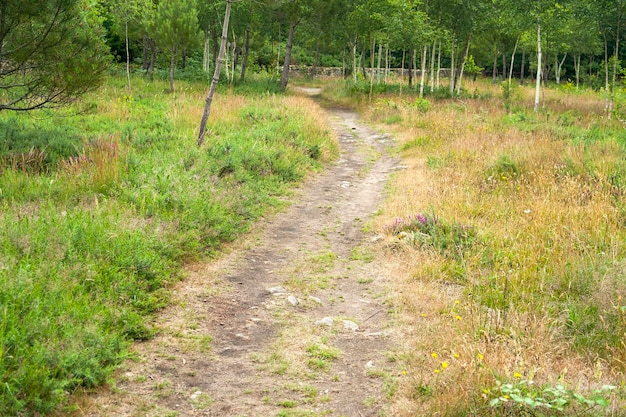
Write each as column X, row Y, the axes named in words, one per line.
column 229, row 347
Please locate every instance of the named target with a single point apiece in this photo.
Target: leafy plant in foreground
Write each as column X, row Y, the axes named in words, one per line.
column 524, row 398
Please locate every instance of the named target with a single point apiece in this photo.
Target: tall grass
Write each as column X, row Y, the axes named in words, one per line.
column 92, row 238
column 539, row 295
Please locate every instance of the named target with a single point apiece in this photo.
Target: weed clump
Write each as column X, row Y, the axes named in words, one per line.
column 427, row 230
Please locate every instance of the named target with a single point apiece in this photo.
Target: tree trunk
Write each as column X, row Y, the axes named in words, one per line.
column 144, row 60
column 380, row 63
column 235, row 59
column 559, row 67
column 410, row 69
column 539, row 64
column 215, row 47
column 284, row 79
column 153, row 51
column 521, row 78
column 577, row 70
column 227, row 61
column 206, row 53
column 414, row 63
column 402, row 73
column 438, row 63
column 387, row 68
column 616, row 56
column 216, row 75
column 184, row 57
column 372, row 49
column 172, row 69
column 432, row 66
column 606, row 75
column 244, row 60
column 503, row 66
column 452, row 70
column 316, row 59
column 127, row 57
column 423, row 78
column 465, row 54
column 354, row 64
column 363, row 65
column 513, row 60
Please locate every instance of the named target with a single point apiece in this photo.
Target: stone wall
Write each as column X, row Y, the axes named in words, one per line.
column 337, row 72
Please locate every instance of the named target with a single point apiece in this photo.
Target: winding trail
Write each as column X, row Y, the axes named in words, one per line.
column 233, row 344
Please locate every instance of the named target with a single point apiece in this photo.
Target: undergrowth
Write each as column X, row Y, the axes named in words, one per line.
column 103, row 203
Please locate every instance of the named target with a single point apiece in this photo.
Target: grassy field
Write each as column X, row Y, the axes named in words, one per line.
column 103, row 203
column 509, row 228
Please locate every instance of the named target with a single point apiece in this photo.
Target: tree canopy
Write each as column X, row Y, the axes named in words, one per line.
column 50, row 52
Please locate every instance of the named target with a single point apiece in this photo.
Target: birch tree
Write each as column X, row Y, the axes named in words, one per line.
column 216, row 75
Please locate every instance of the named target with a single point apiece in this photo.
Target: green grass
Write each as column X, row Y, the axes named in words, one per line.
column 97, row 226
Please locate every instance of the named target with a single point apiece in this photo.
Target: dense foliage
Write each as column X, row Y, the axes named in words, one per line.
column 50, row 52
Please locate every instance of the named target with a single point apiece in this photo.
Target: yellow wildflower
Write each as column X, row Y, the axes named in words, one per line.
column 480, row 357
column 444, row 365
column 517, row 375
column 434, row 355
column 458, row 317
column 456, row 356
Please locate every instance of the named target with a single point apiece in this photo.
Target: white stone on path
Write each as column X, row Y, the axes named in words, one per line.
column 276, row 290
column 350, row 325
column 326, row 321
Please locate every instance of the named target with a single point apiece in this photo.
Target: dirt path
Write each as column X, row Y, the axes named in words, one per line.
column 245, row 336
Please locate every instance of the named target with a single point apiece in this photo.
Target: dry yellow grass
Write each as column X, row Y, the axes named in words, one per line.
column 549, row 220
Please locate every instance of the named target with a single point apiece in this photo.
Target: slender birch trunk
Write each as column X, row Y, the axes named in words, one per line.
column 432, row 66
column 577, row 70
column 216, row 75
column 513, row 59
column 616, row 57
column 380, row 58
column 414, row 66
column 423, row 70
column 607, row 100
column 354, row 65
column 559, row 67
column 372, row 50
column 410, row 68
column 402, row 73
column 439, row 64
column 452, row 69
column 386, row 63
column 539, row 64
column 521, row 78
column 465, row 54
